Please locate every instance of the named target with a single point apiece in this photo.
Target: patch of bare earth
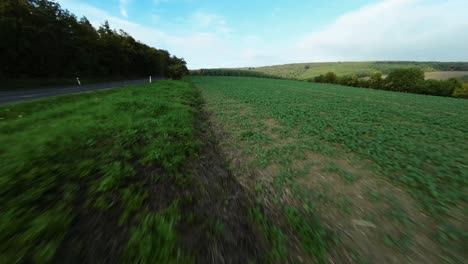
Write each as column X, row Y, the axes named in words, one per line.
column 376, row 221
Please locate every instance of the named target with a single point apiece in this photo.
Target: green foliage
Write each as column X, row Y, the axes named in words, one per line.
column 404, row 80
column 438, row 87
column 178, row 69
column 376, row 81
column 100, row 140
column 273, row 235
column 155, row 239
column 133, row 201
column 300, row 71
column 348, row 80
column 42, row 40
column 310, row 232
column 232, row 72
column 416, row 141
column 329, row 77
column 461, row 92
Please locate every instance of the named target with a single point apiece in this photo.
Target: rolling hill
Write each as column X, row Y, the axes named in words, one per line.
column 303, row 71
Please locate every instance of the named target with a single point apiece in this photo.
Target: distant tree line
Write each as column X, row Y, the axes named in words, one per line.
column 39, row 39
column 410, row 80
column 232, row 72
column 435, row 65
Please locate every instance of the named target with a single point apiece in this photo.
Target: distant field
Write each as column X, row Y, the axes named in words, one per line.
column 442, row 75
column 386, row 171
column 303, row 71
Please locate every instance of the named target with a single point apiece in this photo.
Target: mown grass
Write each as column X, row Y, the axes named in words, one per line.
column 417, row 143
column 89, row 152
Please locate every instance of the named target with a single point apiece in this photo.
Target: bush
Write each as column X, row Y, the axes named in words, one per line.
column 318, row 78
column 330, row 77
column 376, row 81
column 461, row 92
column 364, row 83
column 177, row 71
column 404, row 80
column 438, row 87
column 401, row 80
column 349, row 80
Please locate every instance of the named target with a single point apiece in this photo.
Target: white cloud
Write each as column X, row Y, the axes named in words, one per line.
column 392, row 30
column 123, row 7
column 387, row 30
column 200, row 49
column 207, row 20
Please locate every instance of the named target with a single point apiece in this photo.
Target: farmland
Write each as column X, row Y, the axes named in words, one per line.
column 383, row 173
column 234, row 170
column 304, row 71
column 442, row 75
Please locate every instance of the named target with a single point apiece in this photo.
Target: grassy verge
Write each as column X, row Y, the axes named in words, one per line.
column 71, row 159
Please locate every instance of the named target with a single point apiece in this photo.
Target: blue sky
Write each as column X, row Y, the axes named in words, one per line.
column 209, row 33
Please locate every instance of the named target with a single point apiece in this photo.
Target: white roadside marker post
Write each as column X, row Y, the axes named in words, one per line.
column 150, row 78
column 78, row 80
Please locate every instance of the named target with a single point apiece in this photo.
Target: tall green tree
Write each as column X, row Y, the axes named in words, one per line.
column 39, row 39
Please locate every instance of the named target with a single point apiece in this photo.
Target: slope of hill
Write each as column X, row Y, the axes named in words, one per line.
column 303, row 71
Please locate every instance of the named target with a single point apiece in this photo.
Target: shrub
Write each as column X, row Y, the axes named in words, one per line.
column 376, row 81
column 461, row 92
column 349, row 80
column 364, row 83
column 319, row 78
column 438, row 87
column 330, row 77
column 177, row 71
column 404, row 80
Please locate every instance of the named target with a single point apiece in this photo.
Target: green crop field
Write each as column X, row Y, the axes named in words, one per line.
column 304, row 71
column 234, row 169
column 386, row 173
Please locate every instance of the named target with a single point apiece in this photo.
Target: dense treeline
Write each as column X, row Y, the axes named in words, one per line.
column 434, row 65
column 39, row 39
column 232, row 72
column 409, row 80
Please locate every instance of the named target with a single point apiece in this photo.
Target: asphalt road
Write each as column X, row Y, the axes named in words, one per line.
column 16, row 96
